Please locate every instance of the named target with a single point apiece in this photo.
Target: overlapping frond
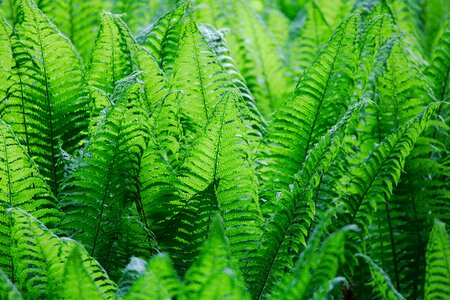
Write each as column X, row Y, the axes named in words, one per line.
column 294, row 210
column 8, row 290
column 316, row 267
column 47, row 101
column 21, row 186
column 381, row 284
column 214, row 275
column 372, row 183
column 159, row 281
column 438, row 263
column 162, row 37
column 321, row 97
column 105, row 184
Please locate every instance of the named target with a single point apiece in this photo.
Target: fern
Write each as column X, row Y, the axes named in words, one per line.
column 159, row 281
column 8, row 289
column 22, row 186
column 116, row 143
column 46, row 104
column 298, row 125
column 438, row 267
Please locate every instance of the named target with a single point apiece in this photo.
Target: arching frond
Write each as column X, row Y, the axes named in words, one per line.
column 292, row 212
column 316, row 266
column 111, row 61
column 159, row 281
column 21, row 186
column 381, row 282
column 97, row 195
column 162, row 37
column 47, row 101
column 8, row 290
column 372, row 183
column 214, row 275
column 322, row 95
column 438, row 267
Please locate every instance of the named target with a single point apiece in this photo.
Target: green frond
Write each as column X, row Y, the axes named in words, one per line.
column 372, row 183
column 257, row 55
column 436, row 13
column 293, row 211
column 381, row 283
column 220, row 160
column 162, row 37
column 438, row 263
column 135, row 268
column 309, row 39
column 254, row 120
column 77, row 282
column 6, row 54
column 21, row 186
column 159, row 281
column 104, row 185
column 46, row 101
column 34, row 250
column 214, row 275
column 278, row 24
column 334, row 11
column 321, row 97
column 8, row 290
column 316, row 266
column 111, row 61
column 197, row 73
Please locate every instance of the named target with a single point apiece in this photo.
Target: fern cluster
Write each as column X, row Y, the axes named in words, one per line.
column 224, row 149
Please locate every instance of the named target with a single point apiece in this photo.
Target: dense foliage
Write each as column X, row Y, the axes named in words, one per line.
column 224, row 149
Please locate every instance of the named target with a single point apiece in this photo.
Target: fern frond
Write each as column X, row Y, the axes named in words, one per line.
column 254, row 120
column 292, row 212
column 438, row 263
column 213, row 160
column 214, row 275
column 8, row 290
column 77, row 281
column 162, row 37
column 6, row 54
column 111, row 61
column 322, row 95
column 309, row 40
column 47, row 99
column 381, row 282
column 372, row 183
column 21, row 186
column 34, row 250
column 105, row 182
column 159, row 281
column 135, row 268
column 316, row 266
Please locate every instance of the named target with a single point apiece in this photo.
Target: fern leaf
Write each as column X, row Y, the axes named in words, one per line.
column 34, row 250
column 8, row 290
column 316, row 266
column 373, row 182
column 54, row 93
column 312, row 36
column 162, row 37
column 78, row 281
column 324, row 89
column 213, row 274
column 105, row 182
column 135, row 268
column 214, row 159
column 21, row 186
column 6, row 54
column 381, row 281
column 159, row 281
column 111, row 61
column 438, row 266
column 293, row 210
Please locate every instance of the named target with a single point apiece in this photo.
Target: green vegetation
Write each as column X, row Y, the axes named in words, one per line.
column 224, row 149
